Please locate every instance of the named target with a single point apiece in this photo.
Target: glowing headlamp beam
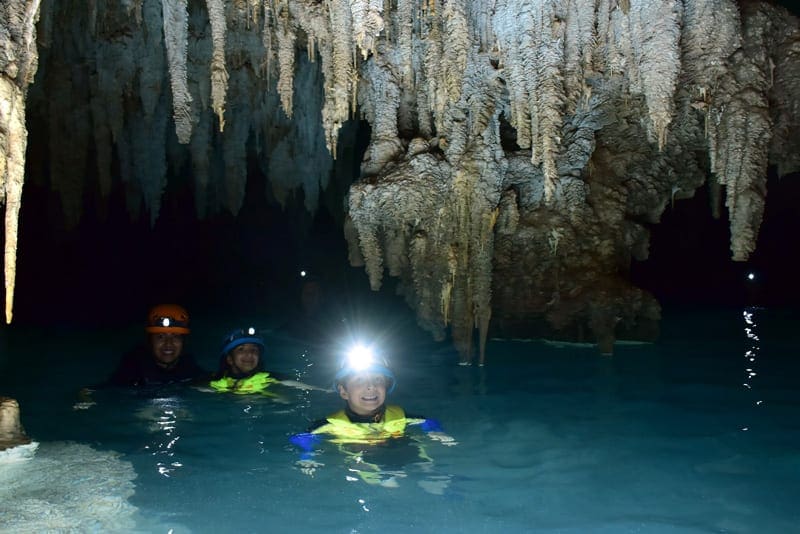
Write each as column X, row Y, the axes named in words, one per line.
column 360, row 357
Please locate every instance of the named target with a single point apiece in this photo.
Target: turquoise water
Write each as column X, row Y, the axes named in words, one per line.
column 696, row 433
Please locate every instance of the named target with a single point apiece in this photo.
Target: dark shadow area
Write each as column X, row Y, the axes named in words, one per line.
column 112, row 267
column 690, row 258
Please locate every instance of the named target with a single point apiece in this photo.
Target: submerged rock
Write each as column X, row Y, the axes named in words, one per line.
column 60, row 487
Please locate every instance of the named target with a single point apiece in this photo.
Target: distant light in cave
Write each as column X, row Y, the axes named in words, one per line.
column 751, row 276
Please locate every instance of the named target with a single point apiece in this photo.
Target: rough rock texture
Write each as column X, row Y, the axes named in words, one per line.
column 67, row 487
column 18, row 62
column 11, row 432
column 559, row 128
column 517, row 147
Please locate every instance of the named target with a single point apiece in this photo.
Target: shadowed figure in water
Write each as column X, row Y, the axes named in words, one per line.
column 162, row 358
column 159, row 360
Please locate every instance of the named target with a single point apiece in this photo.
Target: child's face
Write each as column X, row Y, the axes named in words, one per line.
column 364, row 392
column 244, row 358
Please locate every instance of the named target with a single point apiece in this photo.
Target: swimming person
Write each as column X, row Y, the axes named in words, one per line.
column 162, row 357
column 371, row 433
column 241, row 368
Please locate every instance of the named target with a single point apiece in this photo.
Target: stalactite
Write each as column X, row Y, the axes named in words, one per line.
column 656, row 32
column 297, row 152
column 785, row 112
column 743, row 129
column 341, row 88
column 380, row 101
column 367, row 24
column 18, row 64
column 457, row 46
column 176, row 41
column 286, row 52
column 13, row 137
column 579, row 43
column 405, row 31
column 515, row 42
column 432, row 100
column 219, row 74
column 548, row 95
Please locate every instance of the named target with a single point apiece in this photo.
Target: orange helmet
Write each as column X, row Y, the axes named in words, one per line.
column 167, row 318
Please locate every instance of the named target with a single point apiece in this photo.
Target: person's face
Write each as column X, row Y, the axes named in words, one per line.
column 244, row 358
column 167, row 348
column 364, row 392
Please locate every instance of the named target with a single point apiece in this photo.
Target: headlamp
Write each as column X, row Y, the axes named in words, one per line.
column 165, row 321
column 241, row 336
column 361, row 358
column 167, row 318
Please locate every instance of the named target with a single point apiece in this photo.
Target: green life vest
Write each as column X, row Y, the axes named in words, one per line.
column 257, row 383
column 343, row 430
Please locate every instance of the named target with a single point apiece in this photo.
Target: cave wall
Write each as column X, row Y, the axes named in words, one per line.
column 519, row 150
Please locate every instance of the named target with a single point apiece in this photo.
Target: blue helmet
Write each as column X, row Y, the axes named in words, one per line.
column 359, row 360
column 241, row 336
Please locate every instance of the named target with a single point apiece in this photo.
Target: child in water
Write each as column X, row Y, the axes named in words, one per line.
column 241, row 367
column 367, row 430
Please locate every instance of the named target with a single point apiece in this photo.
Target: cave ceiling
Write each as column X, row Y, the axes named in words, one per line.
column 518, row 151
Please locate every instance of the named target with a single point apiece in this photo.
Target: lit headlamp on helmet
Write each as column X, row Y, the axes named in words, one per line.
column 167, row 319
column 240, row 337
column 362, row 359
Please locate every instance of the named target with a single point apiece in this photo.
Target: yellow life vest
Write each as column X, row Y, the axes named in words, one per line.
column 257, row 383
column 343, row 430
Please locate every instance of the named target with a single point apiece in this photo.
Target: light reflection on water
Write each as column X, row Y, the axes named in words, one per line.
column 550, row 439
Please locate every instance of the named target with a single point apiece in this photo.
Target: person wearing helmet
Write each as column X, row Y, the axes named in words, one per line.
column 364, row 382
column 241, row 367
column 162, row 358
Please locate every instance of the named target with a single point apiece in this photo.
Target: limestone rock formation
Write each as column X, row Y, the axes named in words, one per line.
column 518, row 150
column 18, row 61
column 11, row 432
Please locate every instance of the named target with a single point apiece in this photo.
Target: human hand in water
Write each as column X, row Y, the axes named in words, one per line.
column 443, row 438
column 303, row 386
column 308, row 466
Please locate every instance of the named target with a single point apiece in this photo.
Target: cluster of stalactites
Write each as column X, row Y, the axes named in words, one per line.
column 550, row 53
column 546, row 57
column 553, row 53
column 553, row 57
column 212, row 63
